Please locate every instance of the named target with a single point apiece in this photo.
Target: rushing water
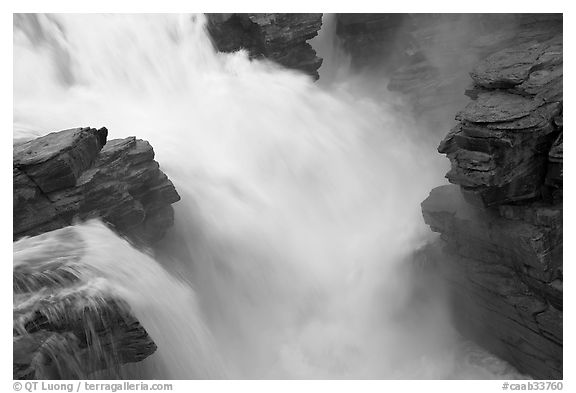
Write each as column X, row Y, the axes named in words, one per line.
column 300, row 203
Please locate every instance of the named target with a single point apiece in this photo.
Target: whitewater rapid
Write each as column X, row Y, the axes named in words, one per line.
column 300, row 203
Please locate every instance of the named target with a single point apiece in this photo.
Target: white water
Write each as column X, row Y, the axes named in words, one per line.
column 106, row 264
column 299, row 203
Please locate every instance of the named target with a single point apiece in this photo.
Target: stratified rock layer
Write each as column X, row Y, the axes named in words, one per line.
column 501, row 148
column 505, row 276
column 76, row 174
column 501, row 223
column 278, row 37
column 65, row 326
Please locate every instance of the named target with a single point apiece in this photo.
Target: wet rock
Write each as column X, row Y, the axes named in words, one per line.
column 77, row 174
column 63, row 349
column 65, row 327
column 278, row 37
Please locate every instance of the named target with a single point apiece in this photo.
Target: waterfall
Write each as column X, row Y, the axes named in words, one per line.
column 300, row 204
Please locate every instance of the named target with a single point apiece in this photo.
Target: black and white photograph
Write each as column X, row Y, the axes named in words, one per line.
column 287, row 196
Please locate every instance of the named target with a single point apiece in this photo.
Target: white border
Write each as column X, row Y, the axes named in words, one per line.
column 491, row 6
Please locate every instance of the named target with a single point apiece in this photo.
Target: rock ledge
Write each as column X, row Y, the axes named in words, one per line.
column 76, row 174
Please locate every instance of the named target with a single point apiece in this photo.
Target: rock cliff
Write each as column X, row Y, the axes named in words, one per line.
column 501, row 147
column 77, row 174
column 278, row 37
column 65, row 326
column 501, row 222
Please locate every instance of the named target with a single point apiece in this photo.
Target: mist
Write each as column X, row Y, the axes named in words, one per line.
column 291, row 254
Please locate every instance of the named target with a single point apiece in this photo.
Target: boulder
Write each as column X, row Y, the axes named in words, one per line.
column 77, row 174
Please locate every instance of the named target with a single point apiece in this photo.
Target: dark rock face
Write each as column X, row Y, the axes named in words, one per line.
column 65, row 328
column 77, row 174
column 501, row 223
column 278, row 37
column 500, row 149
column 505, row 277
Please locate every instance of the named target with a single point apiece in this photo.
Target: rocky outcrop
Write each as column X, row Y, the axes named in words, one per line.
column 501, row 148
column 281, row 38
column 65, row 325
column 501, row 222
column 77, row 174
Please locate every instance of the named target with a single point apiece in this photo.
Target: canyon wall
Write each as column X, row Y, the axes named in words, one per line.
column 500, row 223
column 500, row 248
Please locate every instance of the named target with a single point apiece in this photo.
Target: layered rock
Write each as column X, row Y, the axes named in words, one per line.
column 501, row 148
column 501, row 222
column 66, row 326
column 281, row 38
column 76, row 174
column 505, row 277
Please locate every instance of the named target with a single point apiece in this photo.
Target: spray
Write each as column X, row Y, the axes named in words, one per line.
column 299, row 203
